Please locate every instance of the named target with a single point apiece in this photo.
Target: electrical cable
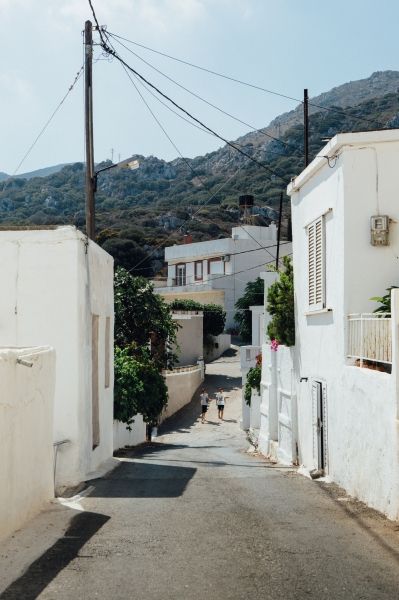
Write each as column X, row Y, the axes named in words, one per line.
column 113, row 53
column 185, row 160
column 245, row 83
column 227, row 274
column 224, row 112
column 43, row 129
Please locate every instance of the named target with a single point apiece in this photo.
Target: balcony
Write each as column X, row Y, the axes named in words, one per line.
column 370, row 340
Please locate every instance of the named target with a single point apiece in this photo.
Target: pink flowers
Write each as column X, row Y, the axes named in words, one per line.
column 274, row 345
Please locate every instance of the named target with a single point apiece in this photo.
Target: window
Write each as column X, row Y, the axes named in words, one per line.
column 316, row 265
column 198, row 270
column 181, row 274
column 215, row 266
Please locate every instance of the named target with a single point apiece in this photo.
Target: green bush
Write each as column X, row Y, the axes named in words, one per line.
column 253, row 296
column 214, row 315
column 253, row 382
column 280, row 304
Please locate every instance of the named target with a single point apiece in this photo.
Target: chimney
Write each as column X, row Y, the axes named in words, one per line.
column 187, row 238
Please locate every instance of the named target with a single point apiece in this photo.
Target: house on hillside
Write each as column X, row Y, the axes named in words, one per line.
column 332, row 401
column 57, row 289
column 217, row 271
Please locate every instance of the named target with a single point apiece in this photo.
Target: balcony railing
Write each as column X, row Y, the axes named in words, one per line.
column 370, row 337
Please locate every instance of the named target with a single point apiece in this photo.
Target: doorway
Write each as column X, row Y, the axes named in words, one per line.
column 319, row 401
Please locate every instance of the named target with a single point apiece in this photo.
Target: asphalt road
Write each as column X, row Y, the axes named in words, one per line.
column 195, row 517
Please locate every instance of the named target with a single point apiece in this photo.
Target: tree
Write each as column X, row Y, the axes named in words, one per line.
column 139, row 387
column 141, row 316
column 280, row 304
column 253, row 296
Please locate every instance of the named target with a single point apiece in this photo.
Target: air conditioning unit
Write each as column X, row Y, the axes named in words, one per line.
column 226, row 258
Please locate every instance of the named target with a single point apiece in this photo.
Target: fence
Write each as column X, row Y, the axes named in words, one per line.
column 370, row 337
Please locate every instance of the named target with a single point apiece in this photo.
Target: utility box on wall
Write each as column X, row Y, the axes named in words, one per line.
column 379, row 230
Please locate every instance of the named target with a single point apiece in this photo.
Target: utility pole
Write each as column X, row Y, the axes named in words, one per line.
column 90, row 175
column 279, row 230
column 306, row 125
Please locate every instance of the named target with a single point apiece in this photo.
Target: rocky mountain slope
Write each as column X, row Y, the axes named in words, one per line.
column 159, row 202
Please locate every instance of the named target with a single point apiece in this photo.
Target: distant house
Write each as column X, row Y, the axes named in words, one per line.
column 331, row 402
column 217, row 271
column 57, row 289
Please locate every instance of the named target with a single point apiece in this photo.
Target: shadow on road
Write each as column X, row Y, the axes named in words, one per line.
column 41, row 572
column 143, row 480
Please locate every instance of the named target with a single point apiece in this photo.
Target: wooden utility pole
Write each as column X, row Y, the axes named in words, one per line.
column 279, row 230
column 306, row 125
column 90, row 175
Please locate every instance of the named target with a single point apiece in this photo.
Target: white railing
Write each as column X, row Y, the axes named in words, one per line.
column 370, row 337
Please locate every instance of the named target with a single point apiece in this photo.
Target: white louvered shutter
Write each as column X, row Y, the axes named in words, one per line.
column 316, row 262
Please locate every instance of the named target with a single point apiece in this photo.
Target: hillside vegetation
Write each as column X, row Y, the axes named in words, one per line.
column 158, row 203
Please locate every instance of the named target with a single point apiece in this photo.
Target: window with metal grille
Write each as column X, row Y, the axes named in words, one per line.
column 316, row 265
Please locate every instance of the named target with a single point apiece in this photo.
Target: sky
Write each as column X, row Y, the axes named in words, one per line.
column 282, row 45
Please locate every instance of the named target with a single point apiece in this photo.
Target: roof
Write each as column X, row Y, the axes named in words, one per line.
column 333, row 148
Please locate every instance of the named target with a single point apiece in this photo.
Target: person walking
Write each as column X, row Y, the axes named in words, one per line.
column 204, row 398
column 220, row 402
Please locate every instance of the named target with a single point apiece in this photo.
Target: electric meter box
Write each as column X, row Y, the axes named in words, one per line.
column 379, row 230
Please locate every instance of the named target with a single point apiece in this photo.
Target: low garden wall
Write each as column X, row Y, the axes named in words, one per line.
column 221, row 343
column 182, row 383
column 27, row 381
column 123, row 437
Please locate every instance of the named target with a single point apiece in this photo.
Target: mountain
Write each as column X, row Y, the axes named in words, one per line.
column 45, row 172
column 137, row 211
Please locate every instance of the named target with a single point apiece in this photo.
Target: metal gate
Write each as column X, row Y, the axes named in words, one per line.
column 320, row 431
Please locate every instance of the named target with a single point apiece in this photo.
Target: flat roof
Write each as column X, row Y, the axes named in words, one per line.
column 332, row 148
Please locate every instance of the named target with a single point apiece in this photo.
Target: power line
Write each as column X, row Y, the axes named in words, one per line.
column 226, row 274
column 241, row 82
column 43, row 129
column 112, row 52
column 125, row 66
column 221, row 110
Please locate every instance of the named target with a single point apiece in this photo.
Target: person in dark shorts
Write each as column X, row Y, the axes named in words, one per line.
column 204, row 398
column 220, row 400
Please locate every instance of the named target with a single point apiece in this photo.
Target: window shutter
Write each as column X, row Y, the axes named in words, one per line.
column 316, row 263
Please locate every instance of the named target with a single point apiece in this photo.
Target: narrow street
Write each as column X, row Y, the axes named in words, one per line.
column 194, row 517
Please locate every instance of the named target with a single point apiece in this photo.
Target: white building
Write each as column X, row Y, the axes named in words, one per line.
column 217, row 271
column 347, row 416
column 57, row 289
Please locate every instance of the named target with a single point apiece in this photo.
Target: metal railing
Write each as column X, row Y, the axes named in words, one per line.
column 370, row 337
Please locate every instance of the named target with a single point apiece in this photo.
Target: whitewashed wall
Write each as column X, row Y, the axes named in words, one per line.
column 182, row 385
column 278, row 409
column 123, row 437
column 362, row 405
column 189, row 337
column 223, row 342
column 26, row 434
column 52, row 282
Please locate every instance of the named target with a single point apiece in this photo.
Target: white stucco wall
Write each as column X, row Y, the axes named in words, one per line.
column 26, row 434
column 123, row 437
column 189, row 337
column 52, row 283
column 361, row 404
column 182, row 385
column 221, row 343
